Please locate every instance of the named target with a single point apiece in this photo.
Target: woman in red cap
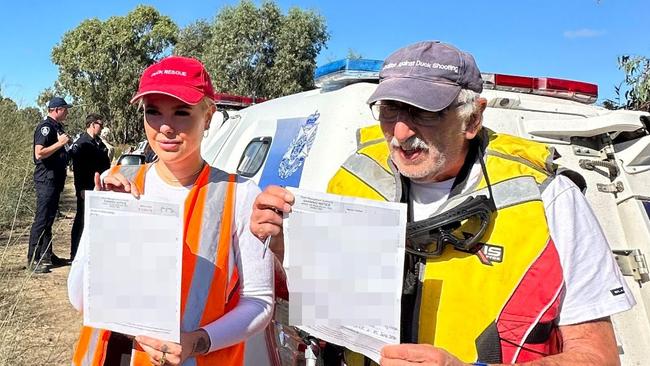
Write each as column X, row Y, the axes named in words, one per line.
column 230, row 298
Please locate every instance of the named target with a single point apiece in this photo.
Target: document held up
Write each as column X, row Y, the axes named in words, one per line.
column 132, row 276
column 344, row 259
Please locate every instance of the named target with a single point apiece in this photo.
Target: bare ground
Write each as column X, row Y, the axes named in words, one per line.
column 38, row 326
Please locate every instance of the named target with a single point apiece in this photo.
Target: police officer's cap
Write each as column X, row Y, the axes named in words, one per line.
column 58, row 102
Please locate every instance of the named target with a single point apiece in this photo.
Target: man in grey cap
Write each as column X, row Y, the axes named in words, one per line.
column 503, row 264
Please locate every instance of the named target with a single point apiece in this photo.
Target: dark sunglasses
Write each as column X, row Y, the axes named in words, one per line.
column 389, row 112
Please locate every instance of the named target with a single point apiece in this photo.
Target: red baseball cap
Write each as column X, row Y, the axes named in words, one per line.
column 180, row 77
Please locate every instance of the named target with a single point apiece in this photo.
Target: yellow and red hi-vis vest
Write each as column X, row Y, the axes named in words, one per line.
column 500, row 304
column 209, row 288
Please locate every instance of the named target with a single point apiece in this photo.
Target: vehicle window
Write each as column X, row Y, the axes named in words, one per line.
column 646, row 205
column 131, row 160
column 254, row 156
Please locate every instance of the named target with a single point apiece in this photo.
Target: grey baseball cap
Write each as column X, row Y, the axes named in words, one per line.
column 428, row 75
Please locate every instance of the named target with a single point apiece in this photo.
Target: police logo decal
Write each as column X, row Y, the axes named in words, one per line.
column 45, row 130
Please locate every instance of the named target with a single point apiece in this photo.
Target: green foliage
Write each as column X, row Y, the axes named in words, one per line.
column 637, row 78
column 16, row 184
column 249, row 50
column 634, row 91
column 193, row 39
column 100, row 63
column 300, row 38
column 45, row 96
column 258, row 51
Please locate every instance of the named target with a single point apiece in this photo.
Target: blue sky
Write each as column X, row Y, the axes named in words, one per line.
column 577, row 39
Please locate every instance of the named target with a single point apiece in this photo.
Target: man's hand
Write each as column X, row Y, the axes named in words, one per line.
column 63, row 138
column 266, row 218
column 588, row 343
column 172, row 354
column 41, row 152
column 116, row 183
column 417, row 354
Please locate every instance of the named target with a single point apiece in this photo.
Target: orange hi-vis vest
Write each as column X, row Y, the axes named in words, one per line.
column 210, row 286
column 502, row 303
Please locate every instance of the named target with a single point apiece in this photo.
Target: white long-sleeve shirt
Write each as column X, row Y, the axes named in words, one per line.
column 254, row 310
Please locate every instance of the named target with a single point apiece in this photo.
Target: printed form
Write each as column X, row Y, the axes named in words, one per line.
column 344, row 259
column 132, row 278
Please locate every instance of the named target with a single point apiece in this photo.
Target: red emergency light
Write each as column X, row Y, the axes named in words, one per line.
column 514, row 81
column 560, row 88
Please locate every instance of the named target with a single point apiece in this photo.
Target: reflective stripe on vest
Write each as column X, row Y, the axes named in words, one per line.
column 493, row 305
column 206, row 251
column 90, row 339
column 210, row 280
column 509, row 192
column 367, row 170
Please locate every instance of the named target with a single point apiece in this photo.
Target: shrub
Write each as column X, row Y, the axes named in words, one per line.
column 16, row 165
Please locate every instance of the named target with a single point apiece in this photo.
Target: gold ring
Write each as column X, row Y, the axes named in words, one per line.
column 162, row 359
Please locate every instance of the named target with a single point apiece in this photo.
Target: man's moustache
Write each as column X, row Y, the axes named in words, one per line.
column 411, row 143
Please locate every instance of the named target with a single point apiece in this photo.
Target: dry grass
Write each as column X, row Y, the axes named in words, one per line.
column 38, row 326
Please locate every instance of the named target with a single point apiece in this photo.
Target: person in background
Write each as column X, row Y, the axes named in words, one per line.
column 51, row 160
column 89, row 156
column 177, row 98
column 103, row 135
column 524, row 275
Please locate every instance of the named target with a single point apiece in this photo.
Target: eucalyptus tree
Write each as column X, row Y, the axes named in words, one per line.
column 257, row 51
column 100, row 63
column 637, row 80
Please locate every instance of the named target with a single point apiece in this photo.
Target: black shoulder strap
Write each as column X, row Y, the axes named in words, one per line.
column 478, row 142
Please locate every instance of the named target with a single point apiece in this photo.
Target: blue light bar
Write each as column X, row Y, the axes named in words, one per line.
column 347, row 71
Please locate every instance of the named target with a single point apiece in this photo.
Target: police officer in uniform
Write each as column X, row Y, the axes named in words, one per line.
column 50, row 158
column 89, row 156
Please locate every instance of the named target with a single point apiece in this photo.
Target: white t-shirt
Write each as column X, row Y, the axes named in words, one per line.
column 255, row 306
column 592, row 277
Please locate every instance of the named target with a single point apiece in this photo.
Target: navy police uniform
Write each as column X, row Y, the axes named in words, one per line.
column 89, row 156
column 49, row 178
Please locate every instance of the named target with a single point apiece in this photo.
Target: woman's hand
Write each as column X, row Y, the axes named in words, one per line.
column 116, row 183
column 172, row 354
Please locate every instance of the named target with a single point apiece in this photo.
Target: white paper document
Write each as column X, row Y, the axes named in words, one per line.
column 132, row 276
column 344, row 259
